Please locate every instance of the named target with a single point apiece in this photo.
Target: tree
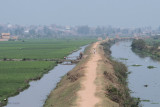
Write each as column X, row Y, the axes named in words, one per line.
column 98, row 30
column 83, row 30
column 138, row 44
column 32, row 32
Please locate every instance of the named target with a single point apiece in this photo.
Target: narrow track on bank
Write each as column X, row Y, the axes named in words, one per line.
column 86, row 96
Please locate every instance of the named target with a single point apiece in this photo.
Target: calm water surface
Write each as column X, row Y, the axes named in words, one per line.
column 141, row 75
column 38, row 91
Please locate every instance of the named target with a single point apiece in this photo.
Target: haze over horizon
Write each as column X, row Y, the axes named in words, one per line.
column 118, row 13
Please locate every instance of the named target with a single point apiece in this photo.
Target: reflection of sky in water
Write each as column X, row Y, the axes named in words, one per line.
column 38, row 91
column 141, row 75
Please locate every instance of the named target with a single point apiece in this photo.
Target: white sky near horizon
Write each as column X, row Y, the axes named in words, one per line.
column 118, row 13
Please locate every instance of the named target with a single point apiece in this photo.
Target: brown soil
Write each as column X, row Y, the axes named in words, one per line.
column 86, row 96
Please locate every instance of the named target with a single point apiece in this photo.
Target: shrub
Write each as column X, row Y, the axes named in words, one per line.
column 138, row 44
column 114, row 94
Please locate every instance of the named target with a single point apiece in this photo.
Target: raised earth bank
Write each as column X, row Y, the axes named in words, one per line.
column 143, row 78
column 110, row 82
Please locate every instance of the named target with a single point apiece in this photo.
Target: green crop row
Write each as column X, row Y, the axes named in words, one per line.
column 40, row 49
column 15, row 75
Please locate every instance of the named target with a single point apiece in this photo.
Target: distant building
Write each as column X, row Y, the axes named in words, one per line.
column 117, row 37
column 26, row 31
column 68, row 28
column 7, row 37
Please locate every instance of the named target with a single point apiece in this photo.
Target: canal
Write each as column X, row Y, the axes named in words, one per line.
column 144, row 83
column 37, row 93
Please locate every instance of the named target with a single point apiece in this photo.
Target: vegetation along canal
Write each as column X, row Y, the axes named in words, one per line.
column 38, row 91
column 142, row 81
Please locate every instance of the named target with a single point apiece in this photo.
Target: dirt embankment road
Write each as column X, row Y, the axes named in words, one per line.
column 88, row 83
column 86, row 96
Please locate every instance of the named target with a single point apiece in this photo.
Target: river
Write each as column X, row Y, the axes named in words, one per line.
column 38, row 91
column 143, row 82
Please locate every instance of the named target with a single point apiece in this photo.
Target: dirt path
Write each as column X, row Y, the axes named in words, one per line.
column 86, row 95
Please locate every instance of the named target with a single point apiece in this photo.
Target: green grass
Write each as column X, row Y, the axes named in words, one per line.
column 123, row 58
column 40, row 49
column 145, row 100
column 154, row 103
column 150, row 67
column 150, row 49
column 152, row 41
column 14, row 76
column 136, row 65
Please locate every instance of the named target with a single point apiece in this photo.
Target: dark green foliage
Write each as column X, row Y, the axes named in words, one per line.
column 123, row 58
column 138, row 44
column 4, row 59
column 151, row 48
column 106, row 47
column 121, row 71
column 136, row 65
column 121, row 95
column 151, row 67
column 114, row 94
column 83, row 30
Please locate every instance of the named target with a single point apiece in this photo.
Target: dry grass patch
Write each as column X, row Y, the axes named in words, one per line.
column 65, row 94
column 105, row 77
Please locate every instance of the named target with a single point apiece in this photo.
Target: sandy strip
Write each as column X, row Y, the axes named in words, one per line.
column 86, row 95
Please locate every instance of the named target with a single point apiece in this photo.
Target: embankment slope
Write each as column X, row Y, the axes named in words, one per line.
column 92, row 83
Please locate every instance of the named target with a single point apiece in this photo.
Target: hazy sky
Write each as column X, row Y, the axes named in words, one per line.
column 119, row 13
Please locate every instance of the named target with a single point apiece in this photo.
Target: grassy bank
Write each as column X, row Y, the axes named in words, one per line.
column 15, row 75
column 115, row 80
column 64, row 95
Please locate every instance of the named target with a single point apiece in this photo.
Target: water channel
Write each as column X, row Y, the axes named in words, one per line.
column 143, row 82
column 38, row 91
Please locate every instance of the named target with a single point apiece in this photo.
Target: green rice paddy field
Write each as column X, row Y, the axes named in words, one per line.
column 15, row 75
column 40, row 49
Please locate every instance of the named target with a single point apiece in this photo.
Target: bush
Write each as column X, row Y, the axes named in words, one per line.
column 4, row 59
column 120, row 71
column 114, row 94
column 138, row 44
column 120, row 94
